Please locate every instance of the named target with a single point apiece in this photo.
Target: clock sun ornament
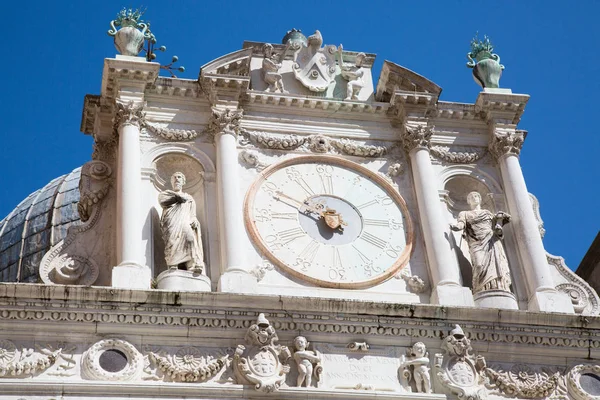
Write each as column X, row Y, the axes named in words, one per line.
column 329, row 221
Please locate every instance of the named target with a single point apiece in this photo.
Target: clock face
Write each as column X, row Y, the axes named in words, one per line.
column 329, row 221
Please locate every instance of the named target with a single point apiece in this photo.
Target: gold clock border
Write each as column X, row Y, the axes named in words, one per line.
column 400, row 262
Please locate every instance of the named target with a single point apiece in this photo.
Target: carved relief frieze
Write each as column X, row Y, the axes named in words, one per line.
column 62, row 264
column 262, row 363
column 525, row 382
column 312, row 143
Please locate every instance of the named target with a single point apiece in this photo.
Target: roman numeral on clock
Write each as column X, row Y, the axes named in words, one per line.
column 374, row 240
column 310, row 251
column 284, row 215
column 289, row 235
column 362, row 256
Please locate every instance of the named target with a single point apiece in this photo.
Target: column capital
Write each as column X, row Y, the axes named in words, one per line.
column 225, row 121
column 506, row 141
column 129, row 113
column 416, row 136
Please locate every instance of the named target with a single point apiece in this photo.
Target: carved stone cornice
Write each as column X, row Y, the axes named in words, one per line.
column 415, row 137
column 224, row 120
column 129, row 113
column 504, row 142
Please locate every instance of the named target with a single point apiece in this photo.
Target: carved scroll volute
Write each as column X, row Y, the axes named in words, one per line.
column 93, row 187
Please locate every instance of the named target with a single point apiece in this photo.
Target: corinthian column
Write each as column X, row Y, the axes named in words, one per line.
column 443, row 266
column 130, row 272
column 505, row 145
column 235, row 273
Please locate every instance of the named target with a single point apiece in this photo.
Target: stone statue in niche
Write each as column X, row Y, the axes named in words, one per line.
column 418, row 359
column 483, row 232
column 353, row 74
column 180, row 227
column 270, row 68
column 305, row 360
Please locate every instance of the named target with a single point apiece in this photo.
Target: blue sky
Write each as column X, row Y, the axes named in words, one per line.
column 54, row 51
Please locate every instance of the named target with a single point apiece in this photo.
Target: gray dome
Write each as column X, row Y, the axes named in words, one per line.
column 39, row 222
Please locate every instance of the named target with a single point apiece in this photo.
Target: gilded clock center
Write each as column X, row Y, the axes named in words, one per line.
column 340, row 222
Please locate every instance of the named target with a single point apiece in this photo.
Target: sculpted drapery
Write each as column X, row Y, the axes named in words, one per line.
column 483, row 232
column 180, row 227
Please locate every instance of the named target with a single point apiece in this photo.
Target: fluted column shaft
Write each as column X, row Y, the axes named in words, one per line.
column 130, row 271
column 443, row 267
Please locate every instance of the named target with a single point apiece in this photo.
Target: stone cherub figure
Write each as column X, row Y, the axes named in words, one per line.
column 483, row 231
column 418, row 358
column 305, row 359
column 353, row 74
column 270, row 68
column 180, row 227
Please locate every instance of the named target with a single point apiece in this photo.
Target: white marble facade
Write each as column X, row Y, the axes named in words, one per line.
column 323, row 205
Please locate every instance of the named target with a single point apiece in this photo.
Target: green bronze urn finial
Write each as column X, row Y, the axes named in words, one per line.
column 486, row 65
column 132, row 32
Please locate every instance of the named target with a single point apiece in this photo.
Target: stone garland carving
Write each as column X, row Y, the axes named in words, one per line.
column 305, row 359
column 416, row 137
column 59, row 266
column 457, row 157
column 263, row 363
column 414, row 367
column 170, row 133
column 504, row 142
column 188, row 365
column 457, row 370
column 314, row 143
column 25, row 362
column 523, row 382
column 90, row 361
column 130, row 112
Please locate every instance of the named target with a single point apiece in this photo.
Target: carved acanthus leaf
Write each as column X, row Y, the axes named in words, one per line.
column 130, row 112
column 313, row 143
column 505, row 142
column 457, row 157
column 416, row 137
column 224, row 121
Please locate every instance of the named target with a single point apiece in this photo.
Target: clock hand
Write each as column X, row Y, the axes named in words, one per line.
column 298, row 204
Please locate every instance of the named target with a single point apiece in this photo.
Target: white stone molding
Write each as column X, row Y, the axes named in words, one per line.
column 90, row 361
column 263, row 363
column 312, row 143
column 458, row 370
column 414, row 369
column 21, row 363
column 61, row 264
column 524, row 382
column 575, row 388
column 470, row 155
column 585, row 300
column 188, row 365
column 536, row 210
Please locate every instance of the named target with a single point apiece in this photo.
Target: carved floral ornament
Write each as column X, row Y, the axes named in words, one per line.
column 129, row 113
column 506, row 142
column 414, row 137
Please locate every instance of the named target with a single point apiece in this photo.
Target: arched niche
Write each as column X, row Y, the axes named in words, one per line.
column 163, row 167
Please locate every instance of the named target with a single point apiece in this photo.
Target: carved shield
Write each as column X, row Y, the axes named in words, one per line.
column 315, row 69
column 263, row 362
column 332, row 219
column 461, row 372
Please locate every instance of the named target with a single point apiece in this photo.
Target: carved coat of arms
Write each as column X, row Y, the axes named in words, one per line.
column 314, row 66
column 263, row 363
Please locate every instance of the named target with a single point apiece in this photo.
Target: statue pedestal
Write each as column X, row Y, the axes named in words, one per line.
column 181, row 280
column 496, row 299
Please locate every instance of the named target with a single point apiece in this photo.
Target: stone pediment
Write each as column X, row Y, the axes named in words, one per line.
column 394, row 77
column 229, row 71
